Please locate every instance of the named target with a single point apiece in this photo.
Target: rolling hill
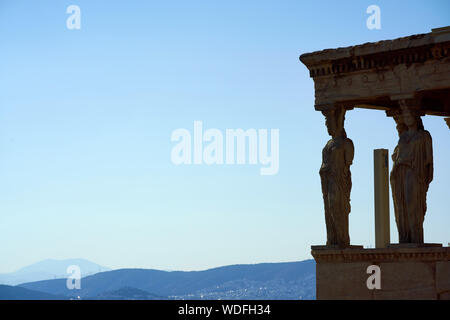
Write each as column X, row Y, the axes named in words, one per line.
column 19, row 293
column 290, row 280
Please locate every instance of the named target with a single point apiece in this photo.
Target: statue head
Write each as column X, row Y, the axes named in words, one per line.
column 401, row 126
column 334, row 120
column 411, row 118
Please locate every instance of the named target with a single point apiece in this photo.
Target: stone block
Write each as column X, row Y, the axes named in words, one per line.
column 443, row 276
column 405, row 276
column 406, row 273
column 345, row 281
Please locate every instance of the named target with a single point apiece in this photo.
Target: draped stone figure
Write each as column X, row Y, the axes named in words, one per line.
column 411, row 175
column 401, row 128
column 337, row 156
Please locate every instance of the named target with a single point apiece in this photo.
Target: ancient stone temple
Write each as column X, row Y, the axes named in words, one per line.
column 407, row 78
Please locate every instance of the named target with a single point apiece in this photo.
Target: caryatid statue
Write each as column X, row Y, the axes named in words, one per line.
column 337, row 156
column 401, row 128
column 411, row 175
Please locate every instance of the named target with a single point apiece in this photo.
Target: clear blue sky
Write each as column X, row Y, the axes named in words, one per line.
column 86, row 118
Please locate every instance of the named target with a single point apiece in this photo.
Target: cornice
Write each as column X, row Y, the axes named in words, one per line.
column 380, row 61
column 382, row 255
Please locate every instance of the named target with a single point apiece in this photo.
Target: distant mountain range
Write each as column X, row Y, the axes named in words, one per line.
column 49, row 269
column 290, row 280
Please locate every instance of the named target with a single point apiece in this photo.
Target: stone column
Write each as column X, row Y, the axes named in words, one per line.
column 381, row 197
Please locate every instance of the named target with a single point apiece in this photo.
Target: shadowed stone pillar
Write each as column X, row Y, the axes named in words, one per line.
column 381, row 195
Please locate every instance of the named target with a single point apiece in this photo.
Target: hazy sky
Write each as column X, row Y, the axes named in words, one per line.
column 86, row 118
